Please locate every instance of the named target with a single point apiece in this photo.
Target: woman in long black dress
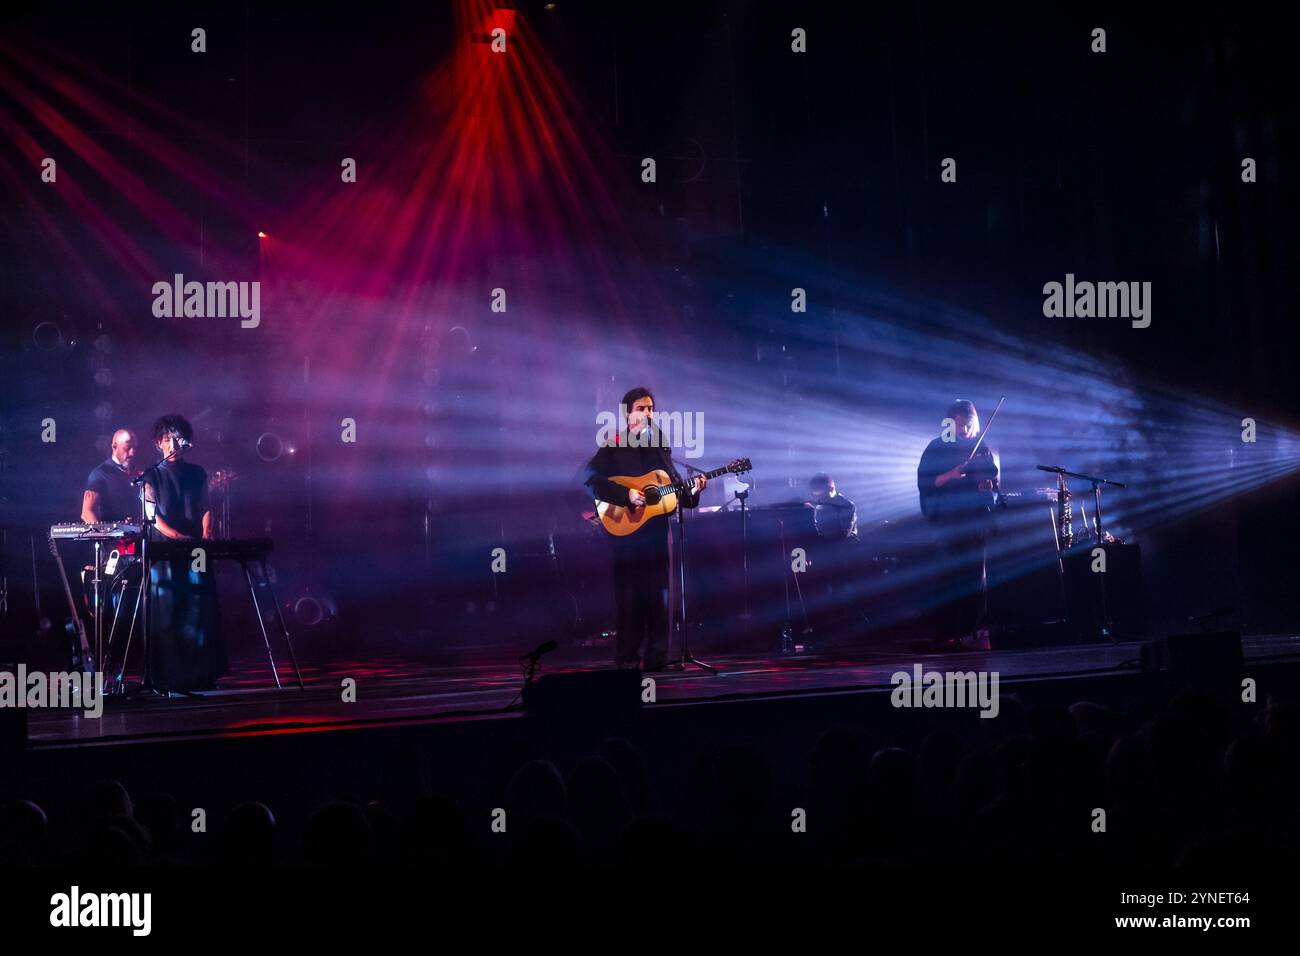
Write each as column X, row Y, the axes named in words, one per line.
column 186, row 651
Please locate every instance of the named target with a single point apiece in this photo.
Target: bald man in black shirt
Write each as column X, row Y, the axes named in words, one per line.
column 109, row 494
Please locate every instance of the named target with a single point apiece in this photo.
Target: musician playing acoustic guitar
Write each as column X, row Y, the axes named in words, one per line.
column 640, row 559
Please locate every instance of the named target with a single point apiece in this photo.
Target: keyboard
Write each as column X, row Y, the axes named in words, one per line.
column 236, row 549
column 99, row 531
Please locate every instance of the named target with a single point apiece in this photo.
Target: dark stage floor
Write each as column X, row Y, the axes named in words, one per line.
column 407, row 691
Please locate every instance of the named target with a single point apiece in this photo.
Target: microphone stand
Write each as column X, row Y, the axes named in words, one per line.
column 1062, row 495
column 146, row 585
column 686, row 656
column 742, row 497
column 787, row 631
column 146, row 676
column 1099, row 534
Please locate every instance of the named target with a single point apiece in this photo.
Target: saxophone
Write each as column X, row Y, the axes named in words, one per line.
column 1064, row 513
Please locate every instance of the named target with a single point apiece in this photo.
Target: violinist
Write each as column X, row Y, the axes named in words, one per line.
column 957, row 480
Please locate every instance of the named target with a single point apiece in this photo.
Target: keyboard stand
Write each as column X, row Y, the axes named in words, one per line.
column 279, row 616
column 125, row 587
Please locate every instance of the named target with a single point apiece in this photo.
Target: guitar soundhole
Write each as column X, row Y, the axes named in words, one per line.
column 652, row 496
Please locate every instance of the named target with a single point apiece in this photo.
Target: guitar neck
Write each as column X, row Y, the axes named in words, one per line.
column 682, row 485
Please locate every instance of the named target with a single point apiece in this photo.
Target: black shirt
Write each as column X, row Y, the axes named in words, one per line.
column 181, row 491
column 629, row 461
column 117, row 496
column 835, row 517
column 960, row 498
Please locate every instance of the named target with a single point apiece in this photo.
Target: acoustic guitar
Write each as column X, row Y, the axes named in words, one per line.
column 660, row 493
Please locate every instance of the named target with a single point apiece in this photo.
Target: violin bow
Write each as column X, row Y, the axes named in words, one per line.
column 985, row 430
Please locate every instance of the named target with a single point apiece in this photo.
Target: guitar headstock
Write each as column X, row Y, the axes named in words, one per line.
column 739, row 466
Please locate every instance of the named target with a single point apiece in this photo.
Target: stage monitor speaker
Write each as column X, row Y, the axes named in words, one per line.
column 13, row 729
column 13, row 720
column 1123, row 592
column 1209, row 654
column 604, row 695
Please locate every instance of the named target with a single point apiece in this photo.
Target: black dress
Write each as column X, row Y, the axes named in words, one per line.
column 186, row 651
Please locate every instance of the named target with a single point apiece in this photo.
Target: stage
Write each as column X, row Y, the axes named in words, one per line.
column 930, row 377
column 394, row 692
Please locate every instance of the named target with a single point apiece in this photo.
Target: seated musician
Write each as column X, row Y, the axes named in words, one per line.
column 834, row 515
column 834, row 610
column 186, row 651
